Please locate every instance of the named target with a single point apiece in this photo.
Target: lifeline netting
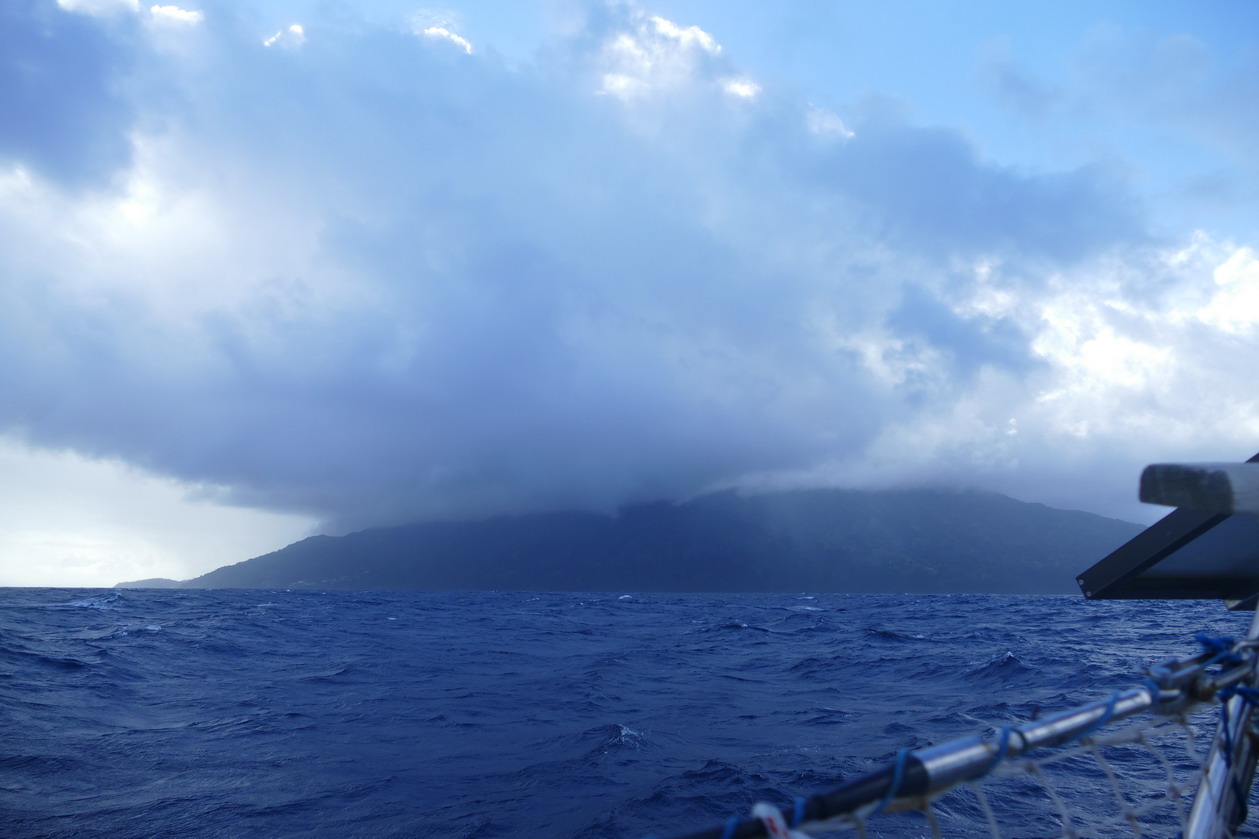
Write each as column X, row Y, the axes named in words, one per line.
column 1129, row 765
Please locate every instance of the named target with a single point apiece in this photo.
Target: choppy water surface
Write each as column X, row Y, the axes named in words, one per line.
column 413, row 714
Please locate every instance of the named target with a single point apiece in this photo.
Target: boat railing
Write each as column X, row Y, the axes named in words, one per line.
column 1172, row 788
column 1156, row 717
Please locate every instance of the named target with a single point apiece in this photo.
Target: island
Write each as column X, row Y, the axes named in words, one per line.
column 826, row 540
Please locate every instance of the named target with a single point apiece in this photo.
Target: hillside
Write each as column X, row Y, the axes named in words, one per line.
column 819, row 540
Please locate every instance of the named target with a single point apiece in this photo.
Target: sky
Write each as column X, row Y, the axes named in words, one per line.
column 276, row 268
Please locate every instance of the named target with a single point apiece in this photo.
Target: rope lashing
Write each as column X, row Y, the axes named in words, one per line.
column 1104, row 718
column 1220, row 647
column 898, row 775
column 797, row 815
column 1249, row 696
column 1156, row 689
column 1003, row 746
column 1224, row 650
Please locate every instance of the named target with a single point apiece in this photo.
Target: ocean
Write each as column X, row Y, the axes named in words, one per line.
column 231, row 713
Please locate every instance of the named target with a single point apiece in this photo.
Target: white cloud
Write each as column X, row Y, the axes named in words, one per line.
column 1094, row 358
column 690, row 36
column 742, row 88
column 290, row 38
column 100, row 8
column 619, row 84
column 1103, row 341
column 176, row 15
column 648, row 54
column 1145, row 356
column 441, row 32
column 1234, row 307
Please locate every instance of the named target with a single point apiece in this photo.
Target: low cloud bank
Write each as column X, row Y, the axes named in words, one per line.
column 379, row 275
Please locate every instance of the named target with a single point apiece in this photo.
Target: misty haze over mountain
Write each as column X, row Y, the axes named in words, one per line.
column 823, row 540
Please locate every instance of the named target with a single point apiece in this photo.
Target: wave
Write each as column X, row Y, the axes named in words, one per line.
column 105, row 602
column 1004, row 665
column 474, row 714
column 610, row 738
column 890, row 635
column 734, row 626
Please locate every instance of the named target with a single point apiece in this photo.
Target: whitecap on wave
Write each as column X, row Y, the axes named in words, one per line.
column 93, row 603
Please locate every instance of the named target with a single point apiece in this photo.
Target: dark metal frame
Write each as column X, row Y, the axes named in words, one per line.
column 1128, row 573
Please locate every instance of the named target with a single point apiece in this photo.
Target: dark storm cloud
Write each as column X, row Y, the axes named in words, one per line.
column 372, row 277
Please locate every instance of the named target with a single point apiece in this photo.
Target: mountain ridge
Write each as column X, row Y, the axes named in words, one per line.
column 902, row 541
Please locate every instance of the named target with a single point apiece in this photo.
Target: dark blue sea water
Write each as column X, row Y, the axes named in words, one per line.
column 412, row 714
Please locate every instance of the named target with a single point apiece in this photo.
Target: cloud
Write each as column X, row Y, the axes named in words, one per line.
column 1131, row 363
column 645, row 53
column 1172, row 98
column 373, row 280
column 928, row 190
column 99, row 8
column 291, row 38
column 1233, row 308
column 176, row 15
column 826, row 123
column 970, row 340
column 1014, row 86
column 445, row 34
column 743, row 88
column 59, row 73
